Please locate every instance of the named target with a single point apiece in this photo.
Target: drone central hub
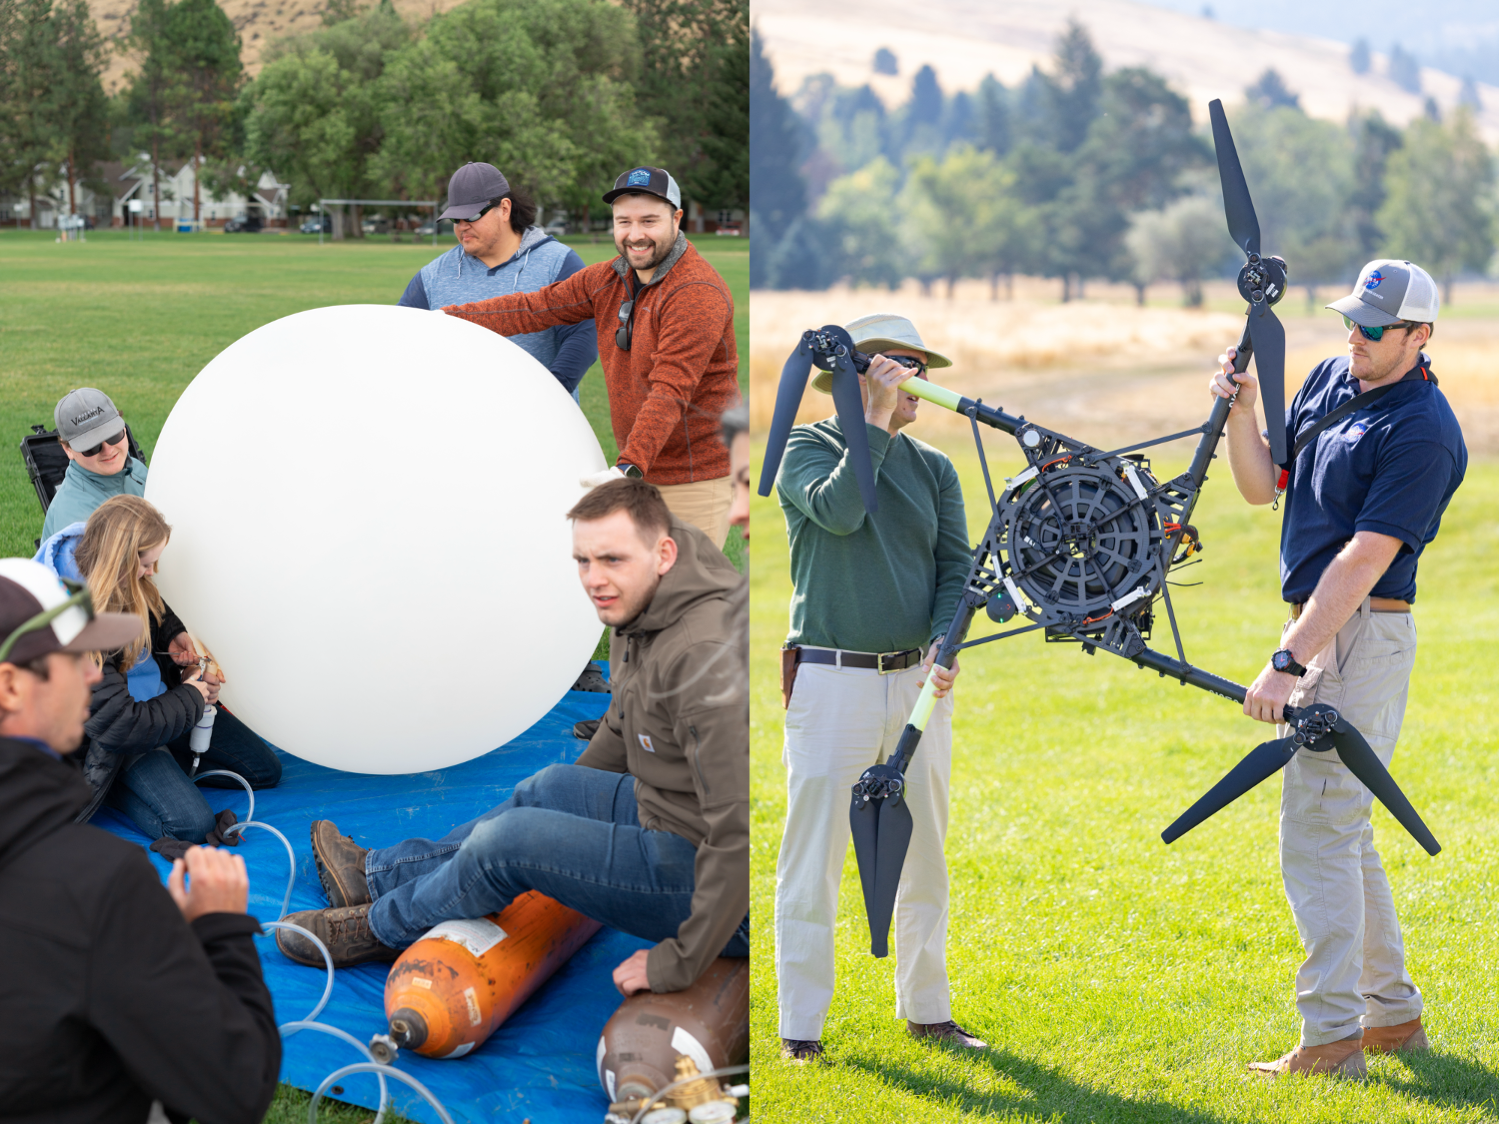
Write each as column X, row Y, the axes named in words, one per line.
column 1262, row 279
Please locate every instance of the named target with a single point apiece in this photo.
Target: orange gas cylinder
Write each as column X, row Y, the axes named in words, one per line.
column 452, row 989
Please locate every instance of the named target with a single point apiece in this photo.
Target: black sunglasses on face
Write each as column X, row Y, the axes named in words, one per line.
column 910, row 362
column 477, row 217
column 97, row 449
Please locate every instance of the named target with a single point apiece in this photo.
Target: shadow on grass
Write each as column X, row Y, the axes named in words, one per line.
column 1053, row 1095
column 1447, row 1080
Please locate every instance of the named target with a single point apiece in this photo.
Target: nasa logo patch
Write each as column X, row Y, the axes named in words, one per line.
column 1357, row 430
column 1374, row 279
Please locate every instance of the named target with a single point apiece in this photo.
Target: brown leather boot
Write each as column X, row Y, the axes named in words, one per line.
column 345, row 931
column 1342, row 1059
column 340, row 865
column 948, row 1033
column 1402, row 1038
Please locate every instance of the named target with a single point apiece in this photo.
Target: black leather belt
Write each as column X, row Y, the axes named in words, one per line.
column 883, row 662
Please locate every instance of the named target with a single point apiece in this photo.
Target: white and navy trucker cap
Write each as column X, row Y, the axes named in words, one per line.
column 652, row 181
column 1389, row 291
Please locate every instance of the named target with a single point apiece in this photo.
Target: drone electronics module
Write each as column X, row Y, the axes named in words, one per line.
column 1080, row 543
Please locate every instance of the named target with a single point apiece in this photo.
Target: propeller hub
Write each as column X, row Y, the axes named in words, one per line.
column 1262, row 280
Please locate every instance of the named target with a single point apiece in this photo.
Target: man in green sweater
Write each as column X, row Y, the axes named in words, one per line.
column 872, row 594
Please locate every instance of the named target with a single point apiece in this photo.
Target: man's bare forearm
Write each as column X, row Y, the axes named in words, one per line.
column 1342, row 588
column 1249, row 457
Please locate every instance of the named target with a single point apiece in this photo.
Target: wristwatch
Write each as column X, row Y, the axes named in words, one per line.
column 1282, row 660
column 631, row 472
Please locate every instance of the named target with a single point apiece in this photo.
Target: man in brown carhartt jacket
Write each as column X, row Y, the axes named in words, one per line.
column 666, row 342
column 649, row 831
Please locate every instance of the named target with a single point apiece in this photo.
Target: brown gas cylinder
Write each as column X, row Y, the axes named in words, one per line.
column 452, row 989
column 709, row 1023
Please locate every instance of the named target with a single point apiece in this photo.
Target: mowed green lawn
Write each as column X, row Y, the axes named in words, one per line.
column 1116, row 978
column 139, row 319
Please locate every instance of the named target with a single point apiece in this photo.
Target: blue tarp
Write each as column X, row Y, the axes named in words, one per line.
column 540, row 1064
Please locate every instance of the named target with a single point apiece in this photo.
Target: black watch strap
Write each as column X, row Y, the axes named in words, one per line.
column 1282, row 660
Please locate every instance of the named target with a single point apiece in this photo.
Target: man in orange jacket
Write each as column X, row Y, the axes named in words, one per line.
column 666, row 343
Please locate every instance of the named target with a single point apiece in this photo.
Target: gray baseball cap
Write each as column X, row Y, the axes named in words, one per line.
column 471, row 189
column 1389, row 291
column 86, row 417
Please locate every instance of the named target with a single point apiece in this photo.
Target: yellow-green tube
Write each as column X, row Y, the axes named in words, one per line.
column 938, row 395
column 924, row 703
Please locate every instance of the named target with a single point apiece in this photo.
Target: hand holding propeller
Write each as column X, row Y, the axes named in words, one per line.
column 1262, row 282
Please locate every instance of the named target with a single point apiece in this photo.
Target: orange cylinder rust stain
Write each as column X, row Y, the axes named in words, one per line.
column 452, row 989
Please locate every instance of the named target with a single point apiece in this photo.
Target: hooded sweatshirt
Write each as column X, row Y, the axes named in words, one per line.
column 682, row 369
column 112, row 999
column 678, row 722
column 81, row 491
column 458, row 277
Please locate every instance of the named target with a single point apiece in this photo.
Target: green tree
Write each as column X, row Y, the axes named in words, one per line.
column 1072, row 91
column 1184, row 242
column 202, row 43
column 962, row 216
column 694, row 78
column 543, row 89
column 778, row 194
column 859, row 212
column 1439, row 211
column 152, row 92
column 316, row 112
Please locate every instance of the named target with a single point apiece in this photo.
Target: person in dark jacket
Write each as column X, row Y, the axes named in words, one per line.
column 649, row 831
column 117, row 991
column 140, row 724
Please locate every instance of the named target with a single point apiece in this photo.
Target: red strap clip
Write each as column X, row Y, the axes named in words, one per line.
column 1285, row 478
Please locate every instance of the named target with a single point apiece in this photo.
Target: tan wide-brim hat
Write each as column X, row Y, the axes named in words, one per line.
column 874, row 333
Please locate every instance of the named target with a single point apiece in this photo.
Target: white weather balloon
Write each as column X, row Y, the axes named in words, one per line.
column 368, row 532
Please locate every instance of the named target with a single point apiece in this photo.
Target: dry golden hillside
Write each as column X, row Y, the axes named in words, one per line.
column 258, row 21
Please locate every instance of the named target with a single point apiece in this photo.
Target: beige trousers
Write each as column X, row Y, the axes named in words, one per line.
column 841, row 721
column 1354, row 972
column 703, row 503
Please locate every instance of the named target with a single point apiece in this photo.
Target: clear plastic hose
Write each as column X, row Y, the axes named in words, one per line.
column 376, row 1067
column 291, row 877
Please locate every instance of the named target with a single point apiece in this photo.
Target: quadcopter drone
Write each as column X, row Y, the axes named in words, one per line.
column 1080, row 544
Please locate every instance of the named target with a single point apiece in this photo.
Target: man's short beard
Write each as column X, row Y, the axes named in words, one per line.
column 655, row 259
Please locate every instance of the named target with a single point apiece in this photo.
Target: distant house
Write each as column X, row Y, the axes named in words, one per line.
column 135, row 182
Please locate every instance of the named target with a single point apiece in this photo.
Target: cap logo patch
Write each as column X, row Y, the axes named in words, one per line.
column 1357, row 430
column 640, row 177
column 83, row 417
column 1374, row 279
column 645, row 743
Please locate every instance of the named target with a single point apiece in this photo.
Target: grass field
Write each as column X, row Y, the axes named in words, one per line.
column 140, row 319
column 1115, row 978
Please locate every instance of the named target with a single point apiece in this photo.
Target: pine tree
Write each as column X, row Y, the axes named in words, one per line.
column 777, row 192
column 204, row 46
column 152, row 92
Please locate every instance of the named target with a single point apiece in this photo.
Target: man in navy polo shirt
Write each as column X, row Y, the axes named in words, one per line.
column 1363, row 499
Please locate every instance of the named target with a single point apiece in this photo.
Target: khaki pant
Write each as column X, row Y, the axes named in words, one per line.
column 841, row 721
column 703, row 503
column 1354, row 970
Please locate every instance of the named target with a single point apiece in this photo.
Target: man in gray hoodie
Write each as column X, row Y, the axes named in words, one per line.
column 500, row 252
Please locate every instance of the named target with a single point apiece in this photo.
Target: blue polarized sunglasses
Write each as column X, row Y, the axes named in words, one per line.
column 1376, row 334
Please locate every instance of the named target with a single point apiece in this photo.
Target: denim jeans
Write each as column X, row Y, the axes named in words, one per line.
column 569, row 832
column 154, row 791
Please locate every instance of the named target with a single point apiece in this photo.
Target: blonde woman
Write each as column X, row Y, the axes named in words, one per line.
column 152, row 693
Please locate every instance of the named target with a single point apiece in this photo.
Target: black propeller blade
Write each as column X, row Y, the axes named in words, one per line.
column 1363, row 763
column 1262, row 282
column 1263, row 762
column 822, row 347
column 794, row 374
column 1242, row 223
column 880, row 822
column 1269, row 338
column 1318, row 729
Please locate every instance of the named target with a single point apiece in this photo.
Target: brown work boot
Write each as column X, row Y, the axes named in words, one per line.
column 948, row 1033
column 1342, row 1059
column 1402, row 1038
column 346, row 932
column 803, row 1051
column 340, row 865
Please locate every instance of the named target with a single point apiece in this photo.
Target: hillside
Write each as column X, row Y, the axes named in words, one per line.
column 965, row 39
column 258, row 21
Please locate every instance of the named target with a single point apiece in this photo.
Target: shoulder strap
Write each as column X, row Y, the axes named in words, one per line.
column 1358, row 401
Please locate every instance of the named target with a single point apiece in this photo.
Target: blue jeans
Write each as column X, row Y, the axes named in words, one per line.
column 569, row 832
column 155, row 793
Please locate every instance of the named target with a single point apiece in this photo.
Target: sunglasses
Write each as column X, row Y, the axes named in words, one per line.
column 1376, row 334
column 80, row 596
column 477, row 217
column 910, row 362
column 626, row 326
column 99, row 448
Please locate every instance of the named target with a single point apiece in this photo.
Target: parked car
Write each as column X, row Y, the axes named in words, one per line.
column 243, row 224
column 376, row 225
column 444, row 226
column 318, row 223
column 556, row 228
column 729, row 228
